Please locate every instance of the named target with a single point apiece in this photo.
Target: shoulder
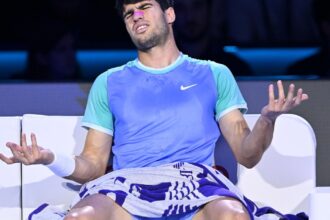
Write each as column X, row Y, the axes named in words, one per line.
column 194, row 61
column 214, row 66
column 220, row 70
column 103, row 77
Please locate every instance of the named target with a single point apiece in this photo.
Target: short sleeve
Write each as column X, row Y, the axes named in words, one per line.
column 97, row 113
column 229, row 96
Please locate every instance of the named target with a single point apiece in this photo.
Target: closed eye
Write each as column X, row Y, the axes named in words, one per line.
column 128, row 14
column 145, row 6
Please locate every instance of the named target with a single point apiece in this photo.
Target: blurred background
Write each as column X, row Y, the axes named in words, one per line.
column 78, row 39
column 52, row 50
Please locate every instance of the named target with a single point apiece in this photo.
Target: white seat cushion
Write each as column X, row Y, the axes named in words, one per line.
column 286, row 174
column 10, row 175
column 61, row 134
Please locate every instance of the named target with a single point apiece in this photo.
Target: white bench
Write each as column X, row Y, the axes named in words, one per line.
column 10, row 176
column 284, row 178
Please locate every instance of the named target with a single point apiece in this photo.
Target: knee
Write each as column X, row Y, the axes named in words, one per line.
column 73, row 216
column 70, row 217
column 226, row 209
column 80, row 214
column 233, row 214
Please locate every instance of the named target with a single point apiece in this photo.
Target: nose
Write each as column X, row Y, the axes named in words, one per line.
column 138, row 14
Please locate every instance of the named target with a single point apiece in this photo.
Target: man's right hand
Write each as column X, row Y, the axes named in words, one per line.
column 28, row 155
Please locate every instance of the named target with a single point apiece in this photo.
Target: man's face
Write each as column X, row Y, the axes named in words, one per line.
column 146, row 24
column 193, row 18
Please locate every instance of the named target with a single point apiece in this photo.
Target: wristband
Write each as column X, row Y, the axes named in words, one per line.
column 62, row 165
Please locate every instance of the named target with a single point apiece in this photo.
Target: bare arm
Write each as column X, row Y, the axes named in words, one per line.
column 93, row 160
column 248, row 146
column 90, row 164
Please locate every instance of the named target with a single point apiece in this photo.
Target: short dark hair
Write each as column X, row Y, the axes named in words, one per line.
column 164, row 4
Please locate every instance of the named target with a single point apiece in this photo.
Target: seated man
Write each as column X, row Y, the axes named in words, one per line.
column 160, row 116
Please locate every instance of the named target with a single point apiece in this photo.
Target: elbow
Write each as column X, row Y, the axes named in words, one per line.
column 249, row 162
column 99, row 171
column 248, row 165
column 95, row 175
column 251, row 158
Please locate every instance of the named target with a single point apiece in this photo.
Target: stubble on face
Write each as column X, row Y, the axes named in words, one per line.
column 156, row 35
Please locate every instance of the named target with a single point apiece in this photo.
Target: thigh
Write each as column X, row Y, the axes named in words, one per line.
column 100, row 207
column 222, row 208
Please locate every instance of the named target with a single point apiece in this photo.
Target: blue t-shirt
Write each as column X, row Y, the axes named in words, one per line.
column 159, row 116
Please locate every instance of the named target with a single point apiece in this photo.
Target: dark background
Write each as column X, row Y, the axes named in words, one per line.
column 96, row 21
column 251, row 26
column 244, row 23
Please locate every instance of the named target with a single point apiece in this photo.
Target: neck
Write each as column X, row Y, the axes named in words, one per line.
column 160, row 56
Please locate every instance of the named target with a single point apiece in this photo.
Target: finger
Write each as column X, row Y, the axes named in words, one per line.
column 298, row 98
column 35, row 148
column 289, row 99
column 8, row 160
column 304, row 97
column 18, row 155
column 290, row 92
column 24, row 143
column 271, row 97
column 25, row 149
column 16, row 150
column 281, row 94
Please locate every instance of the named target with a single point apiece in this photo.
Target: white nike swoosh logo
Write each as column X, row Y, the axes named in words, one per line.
column 182, row 88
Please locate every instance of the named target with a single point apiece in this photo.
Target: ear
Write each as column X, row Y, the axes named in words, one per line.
column 170, row 15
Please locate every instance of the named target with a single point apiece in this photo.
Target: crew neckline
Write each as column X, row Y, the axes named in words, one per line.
column 163, row 70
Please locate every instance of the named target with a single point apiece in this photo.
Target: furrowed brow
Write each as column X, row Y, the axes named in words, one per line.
column 130, row 11
column 143, row 5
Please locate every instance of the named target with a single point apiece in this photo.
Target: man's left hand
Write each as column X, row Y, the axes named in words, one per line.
column 284, row 103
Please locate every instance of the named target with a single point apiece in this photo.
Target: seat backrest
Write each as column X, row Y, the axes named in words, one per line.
column 10, row 175
column 286, row 174
column 61, row 134
column 283, row 178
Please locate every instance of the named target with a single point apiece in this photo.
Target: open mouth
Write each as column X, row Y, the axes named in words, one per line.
column 141, row 28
